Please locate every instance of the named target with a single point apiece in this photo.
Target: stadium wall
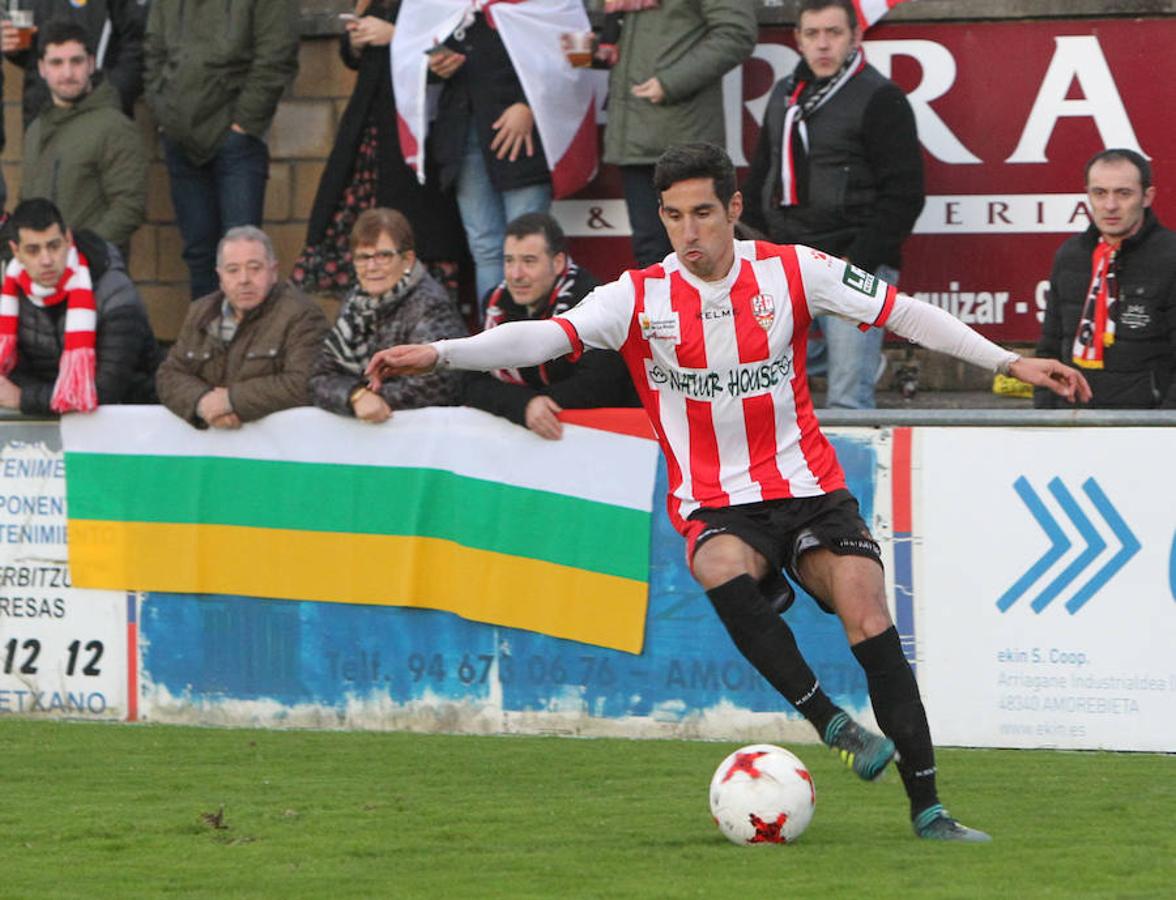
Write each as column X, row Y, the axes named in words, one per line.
column 1031, row 572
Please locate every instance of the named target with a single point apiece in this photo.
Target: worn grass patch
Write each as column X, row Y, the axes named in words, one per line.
column 127, row 811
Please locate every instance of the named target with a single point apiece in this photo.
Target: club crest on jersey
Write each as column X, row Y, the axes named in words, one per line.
column 764, row 310
column 660, row 329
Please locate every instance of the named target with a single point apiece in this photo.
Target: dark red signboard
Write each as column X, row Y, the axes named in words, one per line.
column 1008, row 113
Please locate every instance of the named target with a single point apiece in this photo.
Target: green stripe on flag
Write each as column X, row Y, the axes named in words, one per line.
column 434, row 503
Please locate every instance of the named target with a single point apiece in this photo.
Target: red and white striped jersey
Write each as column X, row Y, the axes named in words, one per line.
column 720, row 367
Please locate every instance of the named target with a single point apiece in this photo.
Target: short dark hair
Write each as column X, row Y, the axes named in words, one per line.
column 35, row 214
column 697, row 160
column 1121, row 154
column 539, row 223
column 62, row 31
column 818, row 5
column 382, row 220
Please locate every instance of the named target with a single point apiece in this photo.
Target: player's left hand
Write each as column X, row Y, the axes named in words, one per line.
column 1063, row 380
column 405, row 359
column 650, row 89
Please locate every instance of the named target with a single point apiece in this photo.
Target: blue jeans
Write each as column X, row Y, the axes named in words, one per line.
column 485, row 212
column 851, row 358
column 225, row 192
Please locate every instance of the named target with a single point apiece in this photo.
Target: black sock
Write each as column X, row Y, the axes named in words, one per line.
column 766, row 641
column 895, row 696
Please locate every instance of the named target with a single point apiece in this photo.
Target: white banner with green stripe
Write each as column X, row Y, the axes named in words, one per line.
column 445, row 508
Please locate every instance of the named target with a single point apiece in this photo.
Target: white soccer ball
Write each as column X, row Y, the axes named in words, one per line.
column 762, row 794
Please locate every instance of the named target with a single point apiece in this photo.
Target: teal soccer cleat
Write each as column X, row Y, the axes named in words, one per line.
column 936, row 824
column 866, row 753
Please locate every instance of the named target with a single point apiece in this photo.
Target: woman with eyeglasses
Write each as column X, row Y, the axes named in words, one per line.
column 395, row 301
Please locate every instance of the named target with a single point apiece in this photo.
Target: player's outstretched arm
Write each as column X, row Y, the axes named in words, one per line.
column 514, row 345
column 1063, row 380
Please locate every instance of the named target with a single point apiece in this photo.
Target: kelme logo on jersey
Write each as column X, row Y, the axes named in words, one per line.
column 660, row 329
column 764, row 310
column 860, row 280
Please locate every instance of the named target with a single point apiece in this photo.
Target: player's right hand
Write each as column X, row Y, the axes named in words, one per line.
column 405, row 359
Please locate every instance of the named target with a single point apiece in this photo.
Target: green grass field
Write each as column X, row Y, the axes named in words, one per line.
column 129, row 811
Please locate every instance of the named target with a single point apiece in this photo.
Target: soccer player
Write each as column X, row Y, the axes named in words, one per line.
column 714, row 339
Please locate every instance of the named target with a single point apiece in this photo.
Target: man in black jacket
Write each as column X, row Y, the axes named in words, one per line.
column 115, row 30
column 541, row 282
column 838, row 167
column 1112, row 293
column 81, row 336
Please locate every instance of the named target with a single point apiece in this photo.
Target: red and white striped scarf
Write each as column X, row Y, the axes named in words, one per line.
column 799, row 110
column 1096, row 328
column 75, row 389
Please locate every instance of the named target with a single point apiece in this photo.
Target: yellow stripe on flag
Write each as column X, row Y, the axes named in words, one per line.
column 383, row 570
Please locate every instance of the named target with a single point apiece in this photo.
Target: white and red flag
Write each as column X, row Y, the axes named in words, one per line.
column 562, row 98
column 870, row 11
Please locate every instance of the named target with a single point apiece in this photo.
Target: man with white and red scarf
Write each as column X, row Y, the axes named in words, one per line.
column 838, row 167
column 1112, row 292
column 73, row 331
column 542, row 281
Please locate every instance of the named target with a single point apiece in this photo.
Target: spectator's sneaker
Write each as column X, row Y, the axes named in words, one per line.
column 936, row 824
column 866, row 753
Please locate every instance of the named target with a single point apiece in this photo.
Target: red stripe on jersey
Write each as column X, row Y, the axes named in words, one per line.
column 759, row 418
column 817, row 451
column 759, row 413
column 686, row 302
column 635, row 351
column 887, row 309
column 706, row 487
column 573, row 338
column 750, row 336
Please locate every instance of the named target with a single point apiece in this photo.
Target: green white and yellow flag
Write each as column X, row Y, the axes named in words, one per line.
column 449, row 509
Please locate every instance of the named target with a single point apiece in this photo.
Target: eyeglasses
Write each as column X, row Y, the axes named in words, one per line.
column 383, row 257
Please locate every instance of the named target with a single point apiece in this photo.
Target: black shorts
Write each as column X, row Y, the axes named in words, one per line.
column 782, row 530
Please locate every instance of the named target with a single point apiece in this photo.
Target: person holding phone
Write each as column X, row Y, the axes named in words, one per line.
column 366, row 168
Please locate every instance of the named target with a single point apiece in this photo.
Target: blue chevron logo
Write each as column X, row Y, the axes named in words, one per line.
column 1060, row 544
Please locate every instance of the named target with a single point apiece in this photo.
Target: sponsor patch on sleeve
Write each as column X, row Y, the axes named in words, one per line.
column 860, row 280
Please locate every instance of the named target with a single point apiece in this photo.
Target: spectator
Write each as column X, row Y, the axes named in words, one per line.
column 114, row 28
column 73, row 331
column 366, row 168
column 541, row 282
column 82, row 152
column 396, row 301
column 666, row 88
column 215, row 72
column 852, row 183
column 512, row 128
column 246, row 350
column 1112, row 294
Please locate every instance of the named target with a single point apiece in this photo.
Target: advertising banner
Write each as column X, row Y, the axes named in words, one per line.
column 63, row 650
column 1007, row 113
column 243, row 660
column 1044, row 586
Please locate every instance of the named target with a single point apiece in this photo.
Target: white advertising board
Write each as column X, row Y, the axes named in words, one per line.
column 1045, row 587
column 63, row 651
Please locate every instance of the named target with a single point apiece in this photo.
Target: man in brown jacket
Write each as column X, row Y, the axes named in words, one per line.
column 246, row 350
